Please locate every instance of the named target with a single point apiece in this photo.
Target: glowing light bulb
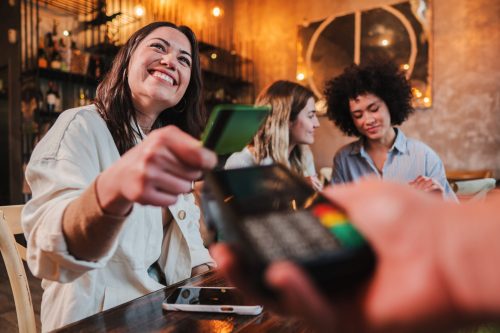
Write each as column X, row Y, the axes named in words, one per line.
column 216, row 11
column 66, row 33
column 213, row 56
column 139, row 10
column 406, row 67
column 301, row 76
column 384, row 42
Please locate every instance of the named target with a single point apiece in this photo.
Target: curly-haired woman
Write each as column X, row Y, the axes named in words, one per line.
column 368, row 102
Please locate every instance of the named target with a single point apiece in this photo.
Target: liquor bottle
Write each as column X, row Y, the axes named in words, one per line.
column 56, row 61
column 97, row 72
column 65, row 52
column 58, row 106
column 42, row 59
column 49, row 46
column 51, row 98
column 82, row 99
column 43, row 62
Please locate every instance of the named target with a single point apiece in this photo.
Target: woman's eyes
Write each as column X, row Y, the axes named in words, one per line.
column 185, row 61
column 162, row 48
column 158, row 46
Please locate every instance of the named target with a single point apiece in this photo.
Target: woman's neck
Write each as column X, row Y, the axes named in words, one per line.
column 145, row 121
column 385, row 143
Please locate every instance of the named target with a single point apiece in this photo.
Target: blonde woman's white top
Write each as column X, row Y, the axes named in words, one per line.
column 245, row 159
column 64, row 163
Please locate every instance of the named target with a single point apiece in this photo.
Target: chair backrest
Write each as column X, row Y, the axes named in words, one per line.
column 10, row 224
column 474, row 189
column 459, row 175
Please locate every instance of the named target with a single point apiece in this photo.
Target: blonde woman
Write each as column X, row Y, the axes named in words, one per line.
column 286, row 134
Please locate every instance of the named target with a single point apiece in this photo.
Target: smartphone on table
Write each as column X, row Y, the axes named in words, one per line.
column 210, row 299
column 268, row 213
column 231, row 127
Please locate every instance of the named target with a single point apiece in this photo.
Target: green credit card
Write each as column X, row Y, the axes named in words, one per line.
column 232, row 126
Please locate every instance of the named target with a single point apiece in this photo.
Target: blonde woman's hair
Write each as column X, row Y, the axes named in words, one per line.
column 286, row 99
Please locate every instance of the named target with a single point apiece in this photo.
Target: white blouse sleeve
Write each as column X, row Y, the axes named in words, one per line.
column 310, row 168
column 240, row 159
column 62, row 166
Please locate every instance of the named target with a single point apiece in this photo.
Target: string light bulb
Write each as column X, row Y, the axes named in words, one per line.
column 139, row 10
column 216, row 11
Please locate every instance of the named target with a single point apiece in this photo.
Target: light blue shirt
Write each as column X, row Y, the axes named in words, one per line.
column 406, row 160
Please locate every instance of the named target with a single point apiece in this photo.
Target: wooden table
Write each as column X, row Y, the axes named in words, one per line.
column 145, row 314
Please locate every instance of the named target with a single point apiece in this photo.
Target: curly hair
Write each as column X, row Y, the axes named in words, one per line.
column 286, row 99
column 382, row 79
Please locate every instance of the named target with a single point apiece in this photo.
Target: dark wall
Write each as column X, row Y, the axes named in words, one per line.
column 10, row 104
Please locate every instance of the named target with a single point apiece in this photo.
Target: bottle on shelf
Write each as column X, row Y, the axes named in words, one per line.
column 56, row 61
column 65, row 52
column 58, row 106
column 97, row 72
column 43, row 62
column 82, row 99
column 51, row 97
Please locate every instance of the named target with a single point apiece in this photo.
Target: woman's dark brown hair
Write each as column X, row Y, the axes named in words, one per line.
column 114, row 102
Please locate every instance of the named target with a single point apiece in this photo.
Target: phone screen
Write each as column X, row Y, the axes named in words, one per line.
column 206, row 296
column 283, row 217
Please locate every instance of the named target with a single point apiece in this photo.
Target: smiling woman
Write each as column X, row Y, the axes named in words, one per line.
column 112, row 216
column 368, row 102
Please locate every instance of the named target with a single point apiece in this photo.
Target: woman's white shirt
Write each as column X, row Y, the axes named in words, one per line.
column 245, row 158
column 64, row 163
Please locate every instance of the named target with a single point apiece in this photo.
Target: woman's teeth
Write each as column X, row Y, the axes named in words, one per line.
column 164, row 77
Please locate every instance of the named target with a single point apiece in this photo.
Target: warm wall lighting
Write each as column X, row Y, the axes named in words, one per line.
column 416, row 92
column 301, row 76
column 139, row 10
column 66, row 33
column 216, row 11
column 213, row 56
column 384, row 42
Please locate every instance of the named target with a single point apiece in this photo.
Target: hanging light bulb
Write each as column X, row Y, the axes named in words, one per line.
column 139, row 10
column 216, row 11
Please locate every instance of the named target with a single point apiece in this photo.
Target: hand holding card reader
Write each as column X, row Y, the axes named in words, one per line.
column 267, row 213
